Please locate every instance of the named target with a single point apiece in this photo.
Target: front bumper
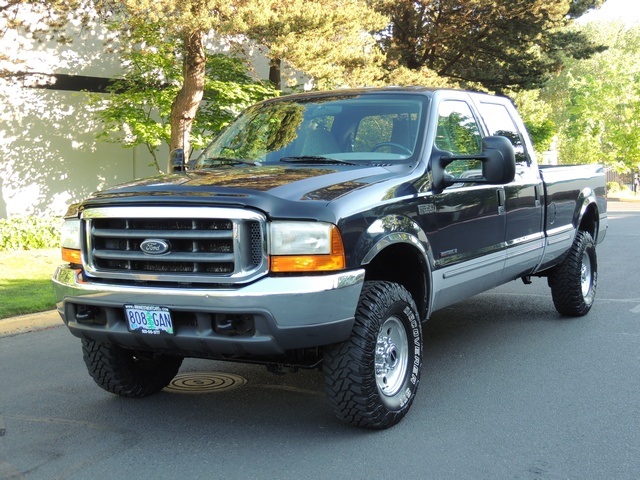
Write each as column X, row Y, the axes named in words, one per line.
column 285, row 313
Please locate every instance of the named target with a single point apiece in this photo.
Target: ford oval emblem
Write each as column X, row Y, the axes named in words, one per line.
column 153, row 246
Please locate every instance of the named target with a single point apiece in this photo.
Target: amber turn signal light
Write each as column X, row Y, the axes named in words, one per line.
column 71, row 255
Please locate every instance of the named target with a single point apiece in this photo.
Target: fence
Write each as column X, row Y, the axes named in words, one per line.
column 621, row 178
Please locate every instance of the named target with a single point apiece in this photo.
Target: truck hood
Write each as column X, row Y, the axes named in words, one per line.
column 240, row 185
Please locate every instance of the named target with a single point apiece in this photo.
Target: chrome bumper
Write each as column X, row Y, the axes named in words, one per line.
column 287, row 313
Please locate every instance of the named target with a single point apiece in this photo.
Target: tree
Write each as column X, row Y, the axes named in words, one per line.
column 497, row 44
column 187, row 22
column 595, row 103
column 536, row 115
column 328, row 40
column 137, row 112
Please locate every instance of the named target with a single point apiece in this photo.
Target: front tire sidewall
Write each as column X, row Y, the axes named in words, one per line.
column 386, row 321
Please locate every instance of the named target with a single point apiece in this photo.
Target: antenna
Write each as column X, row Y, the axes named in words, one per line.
column 184, row 141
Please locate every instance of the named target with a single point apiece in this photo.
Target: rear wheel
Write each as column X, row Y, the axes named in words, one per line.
column 371, row 378
column 573, row 282
column 128, row 373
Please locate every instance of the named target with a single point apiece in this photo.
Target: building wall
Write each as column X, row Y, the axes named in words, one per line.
column 49, row 155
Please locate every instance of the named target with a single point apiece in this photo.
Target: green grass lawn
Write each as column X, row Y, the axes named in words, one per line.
column 25, row 281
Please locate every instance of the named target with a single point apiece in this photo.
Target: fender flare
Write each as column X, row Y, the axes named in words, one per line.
column 393, row 230
column 587, row 199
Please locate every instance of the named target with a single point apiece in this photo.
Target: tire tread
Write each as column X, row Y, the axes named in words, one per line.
column 115, row 369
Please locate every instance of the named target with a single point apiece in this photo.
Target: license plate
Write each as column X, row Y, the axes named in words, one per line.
column 148, row 319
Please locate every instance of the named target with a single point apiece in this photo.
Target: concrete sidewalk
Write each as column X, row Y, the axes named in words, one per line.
column 29, row 323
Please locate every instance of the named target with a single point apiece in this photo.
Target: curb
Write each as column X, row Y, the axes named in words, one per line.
column 29, row 323
column 624, row 199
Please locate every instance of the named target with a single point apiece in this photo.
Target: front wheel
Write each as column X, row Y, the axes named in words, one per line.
column 371, row 378
column 573, row 282
column 128, row 373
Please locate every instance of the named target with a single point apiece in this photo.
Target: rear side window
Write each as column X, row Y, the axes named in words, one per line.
column 499, row 122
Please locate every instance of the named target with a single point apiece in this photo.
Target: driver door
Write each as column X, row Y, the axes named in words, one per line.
column 468, row 243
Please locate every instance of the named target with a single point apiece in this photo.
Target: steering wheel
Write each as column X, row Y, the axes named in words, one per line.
column 397, row 146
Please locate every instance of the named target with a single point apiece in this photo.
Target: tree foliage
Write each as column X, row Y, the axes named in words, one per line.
column 328, row 40
column 595, row 103
column 138, row 111
column 185, row 23
column 170, row 67
column 497, row 44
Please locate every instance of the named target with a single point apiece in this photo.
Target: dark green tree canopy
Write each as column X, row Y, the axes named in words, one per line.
column 498, row 44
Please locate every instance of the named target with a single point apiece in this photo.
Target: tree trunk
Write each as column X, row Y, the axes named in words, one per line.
column 186, row 103
column 275, row 67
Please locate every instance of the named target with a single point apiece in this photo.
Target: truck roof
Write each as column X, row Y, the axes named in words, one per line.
column 346, row 92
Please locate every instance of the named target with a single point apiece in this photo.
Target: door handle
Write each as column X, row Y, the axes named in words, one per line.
column 502, row 200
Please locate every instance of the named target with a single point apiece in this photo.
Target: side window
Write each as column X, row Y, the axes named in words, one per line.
column 458, row 130
column 459, row 134
column 499, row 122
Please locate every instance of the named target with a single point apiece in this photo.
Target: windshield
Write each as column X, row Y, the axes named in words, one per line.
column 370, row 128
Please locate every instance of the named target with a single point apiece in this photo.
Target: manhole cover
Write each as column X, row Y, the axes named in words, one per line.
column 205, row 382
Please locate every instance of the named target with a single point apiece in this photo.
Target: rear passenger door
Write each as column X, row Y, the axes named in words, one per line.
column 523, row 197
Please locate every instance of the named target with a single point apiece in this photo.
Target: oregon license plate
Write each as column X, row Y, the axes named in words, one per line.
column 149, row 319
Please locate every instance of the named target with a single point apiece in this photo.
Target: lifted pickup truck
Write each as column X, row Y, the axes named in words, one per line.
column 318, row 231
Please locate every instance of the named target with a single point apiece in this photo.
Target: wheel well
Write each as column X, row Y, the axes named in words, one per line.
column 589, row 222
column 402, row 264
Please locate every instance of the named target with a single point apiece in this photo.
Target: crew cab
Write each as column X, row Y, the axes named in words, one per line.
column 320, row 230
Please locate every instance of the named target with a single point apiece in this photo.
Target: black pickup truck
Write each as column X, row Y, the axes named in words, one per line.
column 318, row 231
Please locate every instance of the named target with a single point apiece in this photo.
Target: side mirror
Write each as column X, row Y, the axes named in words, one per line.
column 498, row 164
column 499, row 167
column 177, row 161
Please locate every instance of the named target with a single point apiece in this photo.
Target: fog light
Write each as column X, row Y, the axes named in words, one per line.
column 234, row 325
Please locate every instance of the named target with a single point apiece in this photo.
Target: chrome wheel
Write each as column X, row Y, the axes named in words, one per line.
column 585, row 275
column 392, row 354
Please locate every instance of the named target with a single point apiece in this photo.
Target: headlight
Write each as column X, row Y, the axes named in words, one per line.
column 70, row 241
column 305, row 247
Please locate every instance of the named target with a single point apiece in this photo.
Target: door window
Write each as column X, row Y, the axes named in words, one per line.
column 459, row 134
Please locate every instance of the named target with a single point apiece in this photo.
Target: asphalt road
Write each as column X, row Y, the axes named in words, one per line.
column 510, row 390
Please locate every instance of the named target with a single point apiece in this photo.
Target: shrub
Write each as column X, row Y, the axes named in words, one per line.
column 29, row 233
column 613, row 187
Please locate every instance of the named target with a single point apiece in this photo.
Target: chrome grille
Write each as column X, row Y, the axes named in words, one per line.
column 194, row 244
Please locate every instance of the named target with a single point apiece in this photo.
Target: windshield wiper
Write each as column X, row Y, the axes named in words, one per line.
column 315, row 160
column 218, row 161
